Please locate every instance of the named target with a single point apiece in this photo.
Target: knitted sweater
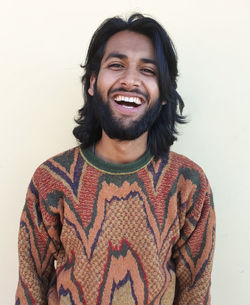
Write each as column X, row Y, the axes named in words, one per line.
column 92, row 232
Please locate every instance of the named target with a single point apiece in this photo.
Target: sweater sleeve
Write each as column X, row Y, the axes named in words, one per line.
column 38, row 244
column 194, row 250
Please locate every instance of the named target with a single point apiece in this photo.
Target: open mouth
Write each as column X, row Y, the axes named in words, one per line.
column 128, row 102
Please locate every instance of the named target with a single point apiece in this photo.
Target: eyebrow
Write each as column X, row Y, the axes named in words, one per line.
column 123, row 56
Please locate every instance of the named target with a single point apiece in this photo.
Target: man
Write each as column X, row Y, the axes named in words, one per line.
column 120, row 219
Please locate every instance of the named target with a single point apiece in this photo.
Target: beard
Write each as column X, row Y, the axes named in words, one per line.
column 115, row 128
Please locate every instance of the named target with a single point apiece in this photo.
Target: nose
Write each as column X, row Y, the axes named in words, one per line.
column 130, row 79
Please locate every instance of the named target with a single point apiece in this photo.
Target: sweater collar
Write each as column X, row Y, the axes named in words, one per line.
column 114, row 168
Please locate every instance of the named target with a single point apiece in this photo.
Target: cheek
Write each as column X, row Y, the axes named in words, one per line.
column 154, row 88
column 101, row 85
column 104, row 82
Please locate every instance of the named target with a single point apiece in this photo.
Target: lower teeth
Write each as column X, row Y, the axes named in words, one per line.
column 128, row 106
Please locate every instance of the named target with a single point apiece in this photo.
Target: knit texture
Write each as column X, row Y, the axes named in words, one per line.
column 98, row 233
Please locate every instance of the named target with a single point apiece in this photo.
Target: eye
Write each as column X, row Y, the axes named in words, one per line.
column 115, row 66
column 148, row 71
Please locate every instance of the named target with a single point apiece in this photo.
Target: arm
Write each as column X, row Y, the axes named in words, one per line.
column 194, row 250
column 36, row 248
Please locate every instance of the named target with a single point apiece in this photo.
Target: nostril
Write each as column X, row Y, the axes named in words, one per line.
column 129, row 83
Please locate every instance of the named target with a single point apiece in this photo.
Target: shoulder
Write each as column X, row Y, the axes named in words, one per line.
column 191, row 179
column 188, row 169
column 61, row 164
column 183, row 161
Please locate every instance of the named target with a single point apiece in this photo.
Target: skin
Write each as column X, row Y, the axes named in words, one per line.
column 128, row 64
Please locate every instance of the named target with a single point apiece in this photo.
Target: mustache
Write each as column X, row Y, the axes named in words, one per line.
column 129, row 91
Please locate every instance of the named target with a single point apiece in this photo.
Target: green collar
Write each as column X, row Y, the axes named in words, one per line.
column 113, row 168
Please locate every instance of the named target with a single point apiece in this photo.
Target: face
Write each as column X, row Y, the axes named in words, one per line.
column 127, row 82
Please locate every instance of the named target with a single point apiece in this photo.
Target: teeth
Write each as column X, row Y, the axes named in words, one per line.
column 135, row 100
column 129, row 107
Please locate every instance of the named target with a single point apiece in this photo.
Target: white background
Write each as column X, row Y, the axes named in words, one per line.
column 42, row 45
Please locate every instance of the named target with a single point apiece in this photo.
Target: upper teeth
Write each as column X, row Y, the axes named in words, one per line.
column 135, row 100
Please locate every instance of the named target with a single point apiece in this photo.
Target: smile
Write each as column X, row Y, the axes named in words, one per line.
column 128, row 101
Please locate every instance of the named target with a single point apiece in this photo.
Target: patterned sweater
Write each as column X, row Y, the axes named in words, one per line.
column 93, row 232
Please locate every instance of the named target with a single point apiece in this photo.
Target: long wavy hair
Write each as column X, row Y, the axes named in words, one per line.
column 162, row 133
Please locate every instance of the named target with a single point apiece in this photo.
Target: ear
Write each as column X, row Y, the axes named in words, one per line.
column 91, row 84
column 164, row 103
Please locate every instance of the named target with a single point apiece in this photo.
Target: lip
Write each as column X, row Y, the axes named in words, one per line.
column 127, row 111
column 128, row 94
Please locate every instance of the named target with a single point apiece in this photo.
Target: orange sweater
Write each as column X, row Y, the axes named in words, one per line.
column 92, row 232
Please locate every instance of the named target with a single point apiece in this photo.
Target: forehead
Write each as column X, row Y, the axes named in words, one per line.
column 130, row 43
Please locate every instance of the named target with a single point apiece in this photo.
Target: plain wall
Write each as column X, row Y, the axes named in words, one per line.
column 42, row 45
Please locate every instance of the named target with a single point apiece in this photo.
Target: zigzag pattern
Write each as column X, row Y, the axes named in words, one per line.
column 146, row 237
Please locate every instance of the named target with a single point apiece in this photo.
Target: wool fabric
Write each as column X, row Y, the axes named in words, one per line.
column 93, row 232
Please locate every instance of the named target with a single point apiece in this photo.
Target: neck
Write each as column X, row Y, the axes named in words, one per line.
column 116, row 151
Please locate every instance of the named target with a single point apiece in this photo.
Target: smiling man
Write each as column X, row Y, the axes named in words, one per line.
column 120, row 219
column 126, row 94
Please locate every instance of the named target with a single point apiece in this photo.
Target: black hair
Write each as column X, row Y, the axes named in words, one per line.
column 162, row 133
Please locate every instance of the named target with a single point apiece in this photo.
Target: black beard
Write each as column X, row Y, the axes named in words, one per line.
column 115, row 128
